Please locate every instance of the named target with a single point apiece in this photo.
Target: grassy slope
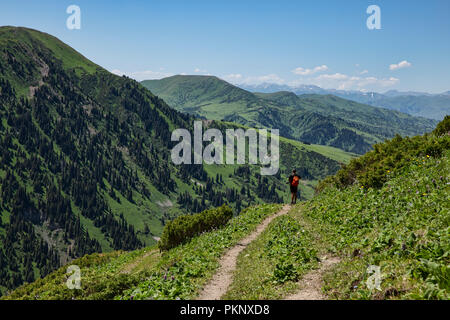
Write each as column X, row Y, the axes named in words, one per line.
column 145, row 273
column 270, row 266
column 15, row 37
column 403, row 227
column 144, row 212
column 330, row 152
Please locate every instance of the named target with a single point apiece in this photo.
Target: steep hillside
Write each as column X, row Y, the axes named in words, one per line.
column 192, row 93
column 79, row 157
column 325, row 120
column 387, row 210
column 145, row 273
column 399, row 224
column 390, row 208
column 342, row 236
column 85, row 161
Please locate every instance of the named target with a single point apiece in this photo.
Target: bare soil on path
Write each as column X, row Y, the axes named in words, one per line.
column 220, row 282
column 311, row 283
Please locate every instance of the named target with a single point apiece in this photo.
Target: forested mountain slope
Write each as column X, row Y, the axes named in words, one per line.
column 85, row 161
column 325, row 120
column 387, row 209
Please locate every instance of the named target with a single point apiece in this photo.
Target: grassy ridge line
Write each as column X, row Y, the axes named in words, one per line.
column 71, row 59
column 141, row 274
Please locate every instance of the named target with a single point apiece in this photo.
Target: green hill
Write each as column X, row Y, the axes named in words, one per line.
column 85, row 167
column 398, row 222
column 317, row 119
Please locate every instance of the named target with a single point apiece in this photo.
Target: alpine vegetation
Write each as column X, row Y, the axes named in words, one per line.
column 213, row 153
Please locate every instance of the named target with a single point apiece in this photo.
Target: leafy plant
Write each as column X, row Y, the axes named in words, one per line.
column 186, row 227
column 374, row 168
column 401, row 225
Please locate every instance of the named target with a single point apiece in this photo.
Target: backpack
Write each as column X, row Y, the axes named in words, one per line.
column 295, row 181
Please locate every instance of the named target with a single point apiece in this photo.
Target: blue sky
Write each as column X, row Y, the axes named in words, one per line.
column 326, row 43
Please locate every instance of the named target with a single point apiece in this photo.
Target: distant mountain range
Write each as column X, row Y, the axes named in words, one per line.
column 312, row 118
column 432, row 106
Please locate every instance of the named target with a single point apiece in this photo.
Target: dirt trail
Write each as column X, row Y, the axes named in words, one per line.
column 220, row 282
column 129, row 267
column 311, row 283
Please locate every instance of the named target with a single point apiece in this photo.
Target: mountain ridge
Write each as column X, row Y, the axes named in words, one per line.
column 434, row 106
column 329, row 120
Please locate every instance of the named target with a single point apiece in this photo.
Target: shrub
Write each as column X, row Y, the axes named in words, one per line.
column 374, row 168
column 403, row 227
column 443, row 127
column 186, row 227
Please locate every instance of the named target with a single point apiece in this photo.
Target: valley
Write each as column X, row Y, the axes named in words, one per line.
column 316, row 119
column 85, row 161
column 322, row 247
column 87, row 178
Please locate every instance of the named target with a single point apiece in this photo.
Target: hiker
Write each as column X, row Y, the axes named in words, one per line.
column 294, row 179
